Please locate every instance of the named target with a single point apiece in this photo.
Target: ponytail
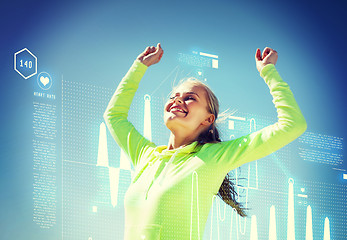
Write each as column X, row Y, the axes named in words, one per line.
column 227, row 190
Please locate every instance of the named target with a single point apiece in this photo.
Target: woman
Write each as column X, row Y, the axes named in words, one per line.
column 171, row 193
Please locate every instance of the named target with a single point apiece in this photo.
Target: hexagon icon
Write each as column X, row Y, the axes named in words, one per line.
column 25, row 63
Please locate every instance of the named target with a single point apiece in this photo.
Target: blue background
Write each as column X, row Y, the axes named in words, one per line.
column 96, row 42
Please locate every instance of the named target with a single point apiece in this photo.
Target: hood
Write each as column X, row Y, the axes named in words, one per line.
column 162, row 150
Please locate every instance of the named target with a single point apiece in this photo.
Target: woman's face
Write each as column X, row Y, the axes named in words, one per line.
column 187, row 109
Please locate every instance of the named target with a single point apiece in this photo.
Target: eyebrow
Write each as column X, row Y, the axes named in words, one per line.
column 192, row 93
column 189, row 93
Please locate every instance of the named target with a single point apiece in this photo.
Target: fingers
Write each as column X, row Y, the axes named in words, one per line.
column 157, row 48
column 151, row 55
column 153, row 49
column 159, row 51
column 266, row 52
column 161, row 54
column 257, row 55
column 269, row 56
column 149, row 50
column 146, row 51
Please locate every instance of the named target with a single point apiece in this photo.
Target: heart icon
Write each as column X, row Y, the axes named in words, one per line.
column 44, row 80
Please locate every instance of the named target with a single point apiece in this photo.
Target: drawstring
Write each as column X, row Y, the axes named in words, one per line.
column 167, row 167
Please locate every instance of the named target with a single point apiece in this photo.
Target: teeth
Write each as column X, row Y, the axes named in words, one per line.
column 177, row 109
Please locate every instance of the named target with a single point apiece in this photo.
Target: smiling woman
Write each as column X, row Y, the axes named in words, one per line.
column 187, row 114
column 171, row 191
column 197, row 95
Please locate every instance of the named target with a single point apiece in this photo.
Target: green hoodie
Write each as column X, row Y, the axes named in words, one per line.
column 171, row 192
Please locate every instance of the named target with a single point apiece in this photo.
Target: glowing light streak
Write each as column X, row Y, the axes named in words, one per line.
column 95, row 209
column 208, row 55
column 215, row 63
column 234, row 213
column 231, row 125
column 219, row 212
column 252, row 123
column 237, row 118
column 248, row 183
column 213, row 198
column 326, row 229
column 102, row 150
column 256, row 175
column 197, row 203
column 291, row 223
column 252, row 120
column 102, row 161
column 272, row 224
column 217, row 202
column 339, row 169
column 254, row 230
column 238, row 216
column 124, row 161
column 309, row 232
column 114, row 184
column 147, row 128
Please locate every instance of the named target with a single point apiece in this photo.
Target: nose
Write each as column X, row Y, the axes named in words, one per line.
column 178, row 100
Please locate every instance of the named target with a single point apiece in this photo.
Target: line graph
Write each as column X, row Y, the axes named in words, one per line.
column 236, row 233
column 239, row 228
column 113, row 173
column 103, row 161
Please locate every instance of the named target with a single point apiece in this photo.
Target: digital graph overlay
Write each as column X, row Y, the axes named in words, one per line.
column 97, row 175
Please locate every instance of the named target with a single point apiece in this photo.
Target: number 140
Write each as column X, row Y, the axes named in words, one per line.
column 27, row 64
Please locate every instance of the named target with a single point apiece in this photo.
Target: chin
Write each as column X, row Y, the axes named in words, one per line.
column 170, row 121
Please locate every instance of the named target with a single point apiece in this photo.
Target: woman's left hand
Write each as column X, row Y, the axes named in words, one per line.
column 151, row 55
column 269, row 56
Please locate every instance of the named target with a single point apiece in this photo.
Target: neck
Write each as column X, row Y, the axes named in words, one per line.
column 177, row 141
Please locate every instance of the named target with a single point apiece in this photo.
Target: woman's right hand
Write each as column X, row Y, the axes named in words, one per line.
column 269, row 56
column 151, row 55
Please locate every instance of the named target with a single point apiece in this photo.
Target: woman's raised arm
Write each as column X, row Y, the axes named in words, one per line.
column 116, row 113
column 289, row 126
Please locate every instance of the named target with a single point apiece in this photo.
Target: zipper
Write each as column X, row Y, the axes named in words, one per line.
column 163, row 173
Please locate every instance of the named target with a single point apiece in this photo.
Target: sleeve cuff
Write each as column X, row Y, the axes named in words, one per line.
column 139, row 66
column 267, row 69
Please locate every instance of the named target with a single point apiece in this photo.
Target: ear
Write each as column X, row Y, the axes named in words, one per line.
column 209, row 120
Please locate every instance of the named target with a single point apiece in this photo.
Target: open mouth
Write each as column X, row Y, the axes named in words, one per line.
column 178, row 109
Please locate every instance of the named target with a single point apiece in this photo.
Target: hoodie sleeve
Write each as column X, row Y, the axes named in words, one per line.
column 291, row 124
column 116, row 114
